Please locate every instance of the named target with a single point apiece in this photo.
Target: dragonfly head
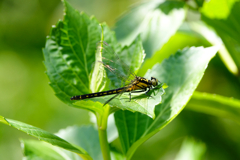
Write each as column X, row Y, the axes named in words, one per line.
column 154, row 81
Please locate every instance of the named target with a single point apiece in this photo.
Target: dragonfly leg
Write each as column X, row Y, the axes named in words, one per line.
column 129, row 96
column 143, row 90
column 110, row 99
column 147, row 92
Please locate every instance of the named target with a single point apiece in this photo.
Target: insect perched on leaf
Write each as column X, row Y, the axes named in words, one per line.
column 132, row 82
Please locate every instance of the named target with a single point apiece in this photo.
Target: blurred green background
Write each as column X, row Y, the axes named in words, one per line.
column 24, row 91
column 26, row 96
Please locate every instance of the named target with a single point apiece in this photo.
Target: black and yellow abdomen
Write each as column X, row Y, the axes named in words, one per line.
column 98, row 94
column 141, row 84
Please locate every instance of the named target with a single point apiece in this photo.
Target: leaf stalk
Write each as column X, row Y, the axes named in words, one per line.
column 102, row 132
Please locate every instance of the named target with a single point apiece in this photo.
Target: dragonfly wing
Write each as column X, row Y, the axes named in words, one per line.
column 117, row 70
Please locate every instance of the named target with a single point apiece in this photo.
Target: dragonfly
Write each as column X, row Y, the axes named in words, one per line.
column 123, row 74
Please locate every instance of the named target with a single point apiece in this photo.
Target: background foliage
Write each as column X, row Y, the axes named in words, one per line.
column 26, row 96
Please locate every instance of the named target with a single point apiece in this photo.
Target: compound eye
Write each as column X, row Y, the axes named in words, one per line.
column 154, row 81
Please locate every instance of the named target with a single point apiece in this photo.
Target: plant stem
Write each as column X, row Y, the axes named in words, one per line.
column 102, row 132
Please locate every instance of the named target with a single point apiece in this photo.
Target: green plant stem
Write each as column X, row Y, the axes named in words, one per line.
column 216, row 105
column 102, row 132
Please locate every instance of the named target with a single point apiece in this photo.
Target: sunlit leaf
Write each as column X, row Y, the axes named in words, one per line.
column 156, row 21
column 180, row 40
column 86, row 137
column 210, row 35
column 33, row 149
column 69, row 55
column 116, row 156
column 45, row 136
column 191, row 149
column 228, row 29
column 181, row 72
column 132, row 56
column 219, row 9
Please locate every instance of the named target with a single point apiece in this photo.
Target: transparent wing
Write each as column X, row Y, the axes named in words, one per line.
column 117, row 70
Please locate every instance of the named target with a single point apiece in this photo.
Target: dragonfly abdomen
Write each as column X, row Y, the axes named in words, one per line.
column 98, row 94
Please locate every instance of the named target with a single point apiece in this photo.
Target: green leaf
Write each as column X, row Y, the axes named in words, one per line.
column 210, row 35
column 86, row 137
column 199, row 2
column 140, row 103
column 73, row 68
column 156, row 21
column 181, row 72
column 69, row 55
column 216, row 105
column 33, row 149
column 219, row 9
column 191, row 149
column 98, row 75
column 167, row 6
column 116, row 156
column 125, row 62
column 45, row 136
column 178, row 41
column 132, row 56
column 228, row 29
